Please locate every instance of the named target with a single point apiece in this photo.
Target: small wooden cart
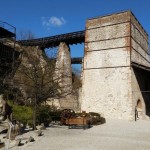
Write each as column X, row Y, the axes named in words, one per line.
column 79, row 121
column 85, row 120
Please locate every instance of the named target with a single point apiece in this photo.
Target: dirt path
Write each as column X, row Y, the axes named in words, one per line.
column 114, row 135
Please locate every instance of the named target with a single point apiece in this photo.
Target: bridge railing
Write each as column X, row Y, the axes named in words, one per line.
column 7, row 30
column 54, row 41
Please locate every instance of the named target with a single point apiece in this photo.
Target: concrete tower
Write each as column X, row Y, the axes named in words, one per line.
column 116, row 67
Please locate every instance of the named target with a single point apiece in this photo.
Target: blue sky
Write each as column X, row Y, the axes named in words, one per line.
column 51, row 17
column 72, row 14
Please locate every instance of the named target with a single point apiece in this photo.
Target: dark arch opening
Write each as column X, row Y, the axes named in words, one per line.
column 139, row 104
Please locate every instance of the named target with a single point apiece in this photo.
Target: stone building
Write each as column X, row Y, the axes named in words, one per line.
column 116, row 68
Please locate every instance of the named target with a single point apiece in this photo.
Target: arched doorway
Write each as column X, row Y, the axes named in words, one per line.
column 139, row 109
column 139, row 104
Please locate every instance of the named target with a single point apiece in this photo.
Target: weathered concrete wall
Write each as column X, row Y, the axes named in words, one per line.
column 106, row 74
column 112, row 44
column 108, row 20
column 140, row 78
column 107, row 91
column 139, row 43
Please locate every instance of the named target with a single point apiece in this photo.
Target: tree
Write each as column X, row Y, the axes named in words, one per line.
column 76, row 77
column 76, row 84
column 38, row 81
column 25, row 35
column 34, row 77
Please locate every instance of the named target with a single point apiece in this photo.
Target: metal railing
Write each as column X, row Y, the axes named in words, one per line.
column 53, row 41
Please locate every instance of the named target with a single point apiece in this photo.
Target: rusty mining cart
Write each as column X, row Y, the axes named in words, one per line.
column 85, row 120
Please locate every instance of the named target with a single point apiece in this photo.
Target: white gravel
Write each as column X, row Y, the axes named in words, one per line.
column 114, row 135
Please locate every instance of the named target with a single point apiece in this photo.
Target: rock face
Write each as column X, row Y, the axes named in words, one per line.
column 63, row 74
column 28, row 55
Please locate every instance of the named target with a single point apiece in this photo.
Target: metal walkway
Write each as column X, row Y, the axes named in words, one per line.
column 74, row 60
column 54, row 41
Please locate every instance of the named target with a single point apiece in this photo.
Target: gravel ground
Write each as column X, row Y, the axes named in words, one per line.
column 113, row 135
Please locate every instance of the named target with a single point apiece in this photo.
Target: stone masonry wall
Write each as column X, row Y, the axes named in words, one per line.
column 139, row 44
column 106, row 86
column 113, row 44
column 140, row 78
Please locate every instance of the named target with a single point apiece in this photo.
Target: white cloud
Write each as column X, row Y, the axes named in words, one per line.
column 57, row 21
column 53, row 21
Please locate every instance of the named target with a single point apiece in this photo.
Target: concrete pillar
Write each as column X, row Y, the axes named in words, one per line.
column 63, row 69
column 64, row 74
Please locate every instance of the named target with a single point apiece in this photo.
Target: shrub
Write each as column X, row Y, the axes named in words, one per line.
column 43, row 115
column 24, row 114
column 46, row 114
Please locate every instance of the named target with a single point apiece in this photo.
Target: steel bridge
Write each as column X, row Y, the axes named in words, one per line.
column 47, row 42
column 54, row 41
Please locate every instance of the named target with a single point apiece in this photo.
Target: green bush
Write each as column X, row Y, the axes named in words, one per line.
column 55, row 115
column 43, row 114
column 24, row 114
column 46, row 114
